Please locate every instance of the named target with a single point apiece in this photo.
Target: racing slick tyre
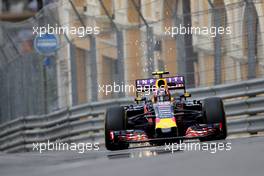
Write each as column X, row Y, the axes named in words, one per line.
column 214, row 113
column 114, row 121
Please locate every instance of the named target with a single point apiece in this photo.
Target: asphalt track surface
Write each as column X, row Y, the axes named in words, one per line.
column 245, row 158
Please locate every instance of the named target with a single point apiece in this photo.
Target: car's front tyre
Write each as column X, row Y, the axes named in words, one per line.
column 214, row 113
column 114, row 121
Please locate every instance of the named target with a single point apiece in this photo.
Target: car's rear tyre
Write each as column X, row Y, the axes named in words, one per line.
column 114, row 121
column 214, row 113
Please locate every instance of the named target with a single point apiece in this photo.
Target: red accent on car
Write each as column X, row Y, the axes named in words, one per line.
column 195, row 131
column 129, row 136
column 157, row 120
column 221, row 126
column 111, row 133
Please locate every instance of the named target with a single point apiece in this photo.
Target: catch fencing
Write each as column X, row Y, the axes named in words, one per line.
column 131, row 44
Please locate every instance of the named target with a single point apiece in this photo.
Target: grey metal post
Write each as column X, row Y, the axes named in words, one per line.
column 93, row 68
column 92, row 54
column 73, row 75
column 119, row 77
column 120, row 59
column 185, row 53
column 150, row 50
column 217, row 15
column 150, row 43
column 45, row 84
column 251, row 32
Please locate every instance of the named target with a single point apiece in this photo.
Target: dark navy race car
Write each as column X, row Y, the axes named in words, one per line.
column 163, row 113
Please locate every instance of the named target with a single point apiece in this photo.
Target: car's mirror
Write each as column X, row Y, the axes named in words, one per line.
column 187, row 94
column 138, row 99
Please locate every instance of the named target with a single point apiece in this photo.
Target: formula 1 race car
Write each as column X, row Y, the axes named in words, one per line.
column 162, row 114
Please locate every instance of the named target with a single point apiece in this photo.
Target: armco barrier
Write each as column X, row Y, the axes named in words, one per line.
column 84, row 123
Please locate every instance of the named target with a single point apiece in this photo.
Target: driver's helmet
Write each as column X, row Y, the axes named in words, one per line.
column 162, row 95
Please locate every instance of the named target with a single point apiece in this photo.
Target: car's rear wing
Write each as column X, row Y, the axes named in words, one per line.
column 150, row 84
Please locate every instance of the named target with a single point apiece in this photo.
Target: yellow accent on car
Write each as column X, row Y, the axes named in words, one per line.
column 187, row 94
column 165, row 83
column 166, row 123
column 160, row 72
column 138, row 98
